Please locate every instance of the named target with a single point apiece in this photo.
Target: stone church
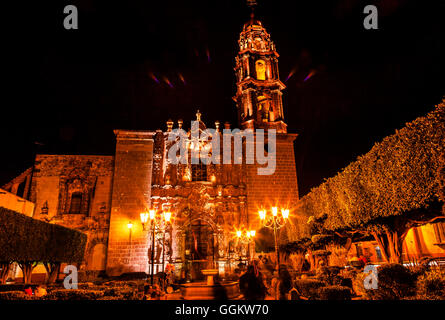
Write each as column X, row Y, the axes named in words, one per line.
column 103, row 196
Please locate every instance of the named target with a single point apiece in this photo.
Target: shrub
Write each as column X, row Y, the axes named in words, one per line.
column 333, row 277
column 12, row 287
column 126, row 294
column 74, row 294
column 309, row 287
column 394, row 282
column 358, row 279
column 339, row 256
column 109, row 298
column 330, row 275
column 334, row 293
column 14, row 295
column 431, row 285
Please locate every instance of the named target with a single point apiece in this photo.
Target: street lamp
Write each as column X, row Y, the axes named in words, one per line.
column 130, row 226
column 274, row 222
column 151, row 222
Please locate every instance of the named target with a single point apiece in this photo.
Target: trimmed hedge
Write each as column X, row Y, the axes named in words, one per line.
column 14, row 295
column 309, row 288
column 335, row 293
column 24, row 239
column 395, row 282
column 404, row 172
column 397, row 185
column 431, row 285
column 72, row 294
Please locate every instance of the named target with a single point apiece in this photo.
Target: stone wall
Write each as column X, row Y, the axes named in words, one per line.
column 127, row 248
column 56, row 178
column 11, row 201
column 278, row 189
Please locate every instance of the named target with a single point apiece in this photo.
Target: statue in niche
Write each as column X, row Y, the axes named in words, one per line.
column 158, row 252
column 168, row 247
column 260, row 68
column 44, row 209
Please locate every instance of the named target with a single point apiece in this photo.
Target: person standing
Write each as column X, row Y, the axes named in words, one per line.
column 251, row 285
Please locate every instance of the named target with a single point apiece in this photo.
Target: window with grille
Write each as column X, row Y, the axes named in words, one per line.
column 199, row 172
column 76, row 203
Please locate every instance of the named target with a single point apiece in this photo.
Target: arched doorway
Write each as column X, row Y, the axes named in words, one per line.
column 199, row 248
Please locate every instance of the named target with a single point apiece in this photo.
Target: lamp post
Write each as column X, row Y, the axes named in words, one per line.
column 274, row 222
column 154, row 223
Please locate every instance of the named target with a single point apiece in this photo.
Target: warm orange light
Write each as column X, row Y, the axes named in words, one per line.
column 213, row 178
column 129, row 225
column 285, row 213
column 274, row 211
column 248, row 234
column 262, row 214
column 144, row 217
column 167, row 216
column 252, row 233
column 238, row 234
column 152, row 214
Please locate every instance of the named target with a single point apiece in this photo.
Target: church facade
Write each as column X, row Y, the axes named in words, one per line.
column 208, row 203
column 103, row 196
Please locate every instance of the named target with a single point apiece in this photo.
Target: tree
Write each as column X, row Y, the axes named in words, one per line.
column 397, row 185
column 28, row 241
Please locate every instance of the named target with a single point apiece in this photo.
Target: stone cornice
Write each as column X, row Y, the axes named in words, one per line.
column 134, row 135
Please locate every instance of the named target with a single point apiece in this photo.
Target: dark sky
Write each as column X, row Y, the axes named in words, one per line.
column 68, row 89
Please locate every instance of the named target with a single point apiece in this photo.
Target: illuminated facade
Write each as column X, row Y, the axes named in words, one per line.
column 104, row 195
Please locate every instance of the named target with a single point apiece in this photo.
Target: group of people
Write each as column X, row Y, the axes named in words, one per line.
column 40, row 291
column 255, row 284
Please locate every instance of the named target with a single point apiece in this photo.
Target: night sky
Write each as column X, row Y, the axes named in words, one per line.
column 66, row 90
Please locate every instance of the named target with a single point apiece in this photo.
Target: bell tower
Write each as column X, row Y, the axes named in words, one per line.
column 259, row 89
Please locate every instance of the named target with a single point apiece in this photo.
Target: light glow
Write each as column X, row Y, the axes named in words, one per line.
column 262, row 214
column 274, row 211
column 285, row 213
column 144, row 217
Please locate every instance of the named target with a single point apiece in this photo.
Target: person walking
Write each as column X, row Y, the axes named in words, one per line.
column 285, row 283
column 251, row 284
